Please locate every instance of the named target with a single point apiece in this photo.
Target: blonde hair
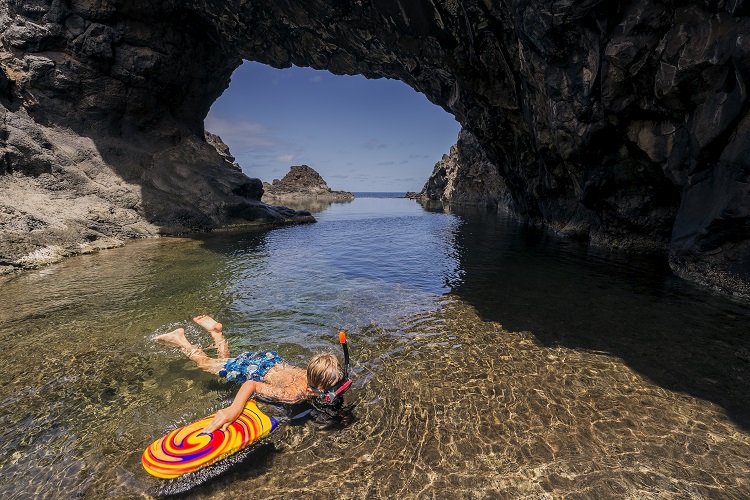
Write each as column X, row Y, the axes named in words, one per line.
column 324, row 371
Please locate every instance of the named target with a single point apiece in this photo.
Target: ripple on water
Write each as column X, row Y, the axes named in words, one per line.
column 456, row 404
column 446, row 403
column 494, row 391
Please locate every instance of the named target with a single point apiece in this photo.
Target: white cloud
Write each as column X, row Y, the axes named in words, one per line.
column 374, row 144
column 284, row 158
column 241, row 134
column 316, row 79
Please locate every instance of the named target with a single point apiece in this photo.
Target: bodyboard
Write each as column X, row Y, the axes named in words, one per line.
column 187, row 448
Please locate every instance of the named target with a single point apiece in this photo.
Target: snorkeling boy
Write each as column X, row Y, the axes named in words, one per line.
column 263, row 374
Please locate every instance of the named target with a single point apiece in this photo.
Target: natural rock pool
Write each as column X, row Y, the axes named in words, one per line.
column 490, row 359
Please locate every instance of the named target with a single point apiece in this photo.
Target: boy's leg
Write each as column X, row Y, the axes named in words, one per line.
column 177, row 337
column 216, row 330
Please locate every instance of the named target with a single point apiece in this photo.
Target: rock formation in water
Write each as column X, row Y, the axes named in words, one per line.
column 622, row 122
column 303, row 182
column 467, row 176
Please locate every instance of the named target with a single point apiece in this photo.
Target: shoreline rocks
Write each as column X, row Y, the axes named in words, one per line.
column 89, row 195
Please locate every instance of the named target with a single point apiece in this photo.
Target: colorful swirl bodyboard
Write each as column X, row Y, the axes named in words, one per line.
column 187, row 448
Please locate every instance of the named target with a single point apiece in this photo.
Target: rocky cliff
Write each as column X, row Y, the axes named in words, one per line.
column 467, row 176
column 303, row 181
column 622, row 122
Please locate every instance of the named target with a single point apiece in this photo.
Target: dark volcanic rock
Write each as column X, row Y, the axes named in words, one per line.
column 303, row 182
column 623, row 122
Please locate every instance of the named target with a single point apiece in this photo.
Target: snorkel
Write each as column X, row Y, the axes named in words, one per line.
column 345, row 346
column 331, row 395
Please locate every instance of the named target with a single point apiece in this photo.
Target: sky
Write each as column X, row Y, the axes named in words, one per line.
column 358, row 134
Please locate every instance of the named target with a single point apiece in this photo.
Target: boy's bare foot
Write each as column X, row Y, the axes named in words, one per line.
column 176, row 337
column 215, row 329
column 209, row 324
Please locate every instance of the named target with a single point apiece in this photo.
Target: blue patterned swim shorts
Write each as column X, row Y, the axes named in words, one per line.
column 249, row 366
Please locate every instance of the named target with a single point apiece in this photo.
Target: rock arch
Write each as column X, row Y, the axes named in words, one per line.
column 622, row 122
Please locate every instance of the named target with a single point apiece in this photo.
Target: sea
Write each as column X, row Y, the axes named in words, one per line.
column 379, row 194
column 490, row 359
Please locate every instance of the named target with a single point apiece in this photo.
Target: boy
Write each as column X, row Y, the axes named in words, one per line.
column 264, row 375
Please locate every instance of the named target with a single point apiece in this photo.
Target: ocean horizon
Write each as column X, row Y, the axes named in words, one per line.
column 379, row 194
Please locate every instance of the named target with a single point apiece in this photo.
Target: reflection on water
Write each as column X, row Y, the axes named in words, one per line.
column 460, row 405
column 488, row 357
column 311, row 204
column 567, row 294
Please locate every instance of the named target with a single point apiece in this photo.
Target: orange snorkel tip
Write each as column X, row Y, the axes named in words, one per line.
column 342, row 336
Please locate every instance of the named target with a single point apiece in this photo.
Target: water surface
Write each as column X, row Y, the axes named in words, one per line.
column 490, row 359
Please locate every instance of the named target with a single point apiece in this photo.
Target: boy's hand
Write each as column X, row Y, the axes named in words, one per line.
column 228, row 415
column 222, row 419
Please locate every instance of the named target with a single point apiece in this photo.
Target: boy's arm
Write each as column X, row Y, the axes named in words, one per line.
column 231, row 413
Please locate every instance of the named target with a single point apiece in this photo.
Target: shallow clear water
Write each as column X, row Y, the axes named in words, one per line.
column 490, row 359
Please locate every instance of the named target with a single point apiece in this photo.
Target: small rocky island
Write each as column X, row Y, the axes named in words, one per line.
column 300, row 182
